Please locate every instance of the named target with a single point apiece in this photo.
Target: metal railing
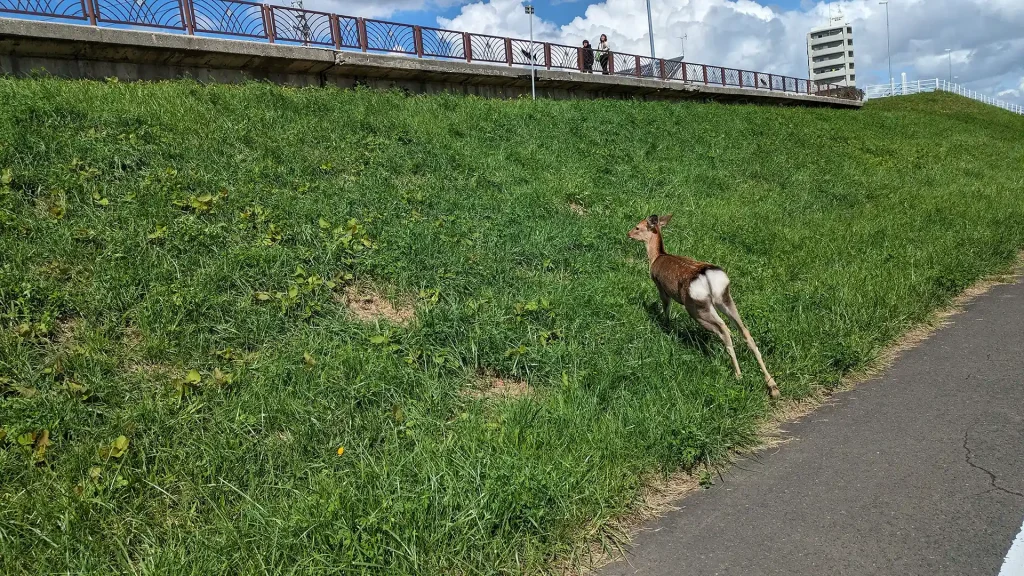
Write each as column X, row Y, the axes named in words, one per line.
column 286, row 25
column 936, row 85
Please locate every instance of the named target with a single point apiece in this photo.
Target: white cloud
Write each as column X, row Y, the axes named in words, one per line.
column 986, row 36
column 375, row 8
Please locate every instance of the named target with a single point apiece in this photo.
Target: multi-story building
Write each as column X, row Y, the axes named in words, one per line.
column 830, row 55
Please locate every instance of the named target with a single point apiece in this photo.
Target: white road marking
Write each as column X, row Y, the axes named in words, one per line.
column 1014, row 563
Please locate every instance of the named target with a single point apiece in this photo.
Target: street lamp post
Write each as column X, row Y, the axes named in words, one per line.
column 949, row 53
column 650, row 27
column 888, row 45
column 533, row 60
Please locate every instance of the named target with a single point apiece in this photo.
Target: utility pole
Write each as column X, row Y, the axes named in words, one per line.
column 533, row 60
column 949, row 53
column 888, row 45
column 301, row 24
column 650, row 27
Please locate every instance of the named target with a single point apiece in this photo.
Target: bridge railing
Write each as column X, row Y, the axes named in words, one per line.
column 282, row 24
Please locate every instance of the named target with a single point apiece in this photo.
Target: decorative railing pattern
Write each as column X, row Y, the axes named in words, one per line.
column 380, row 36
column 230, row 17
column 274, row 23
column 484, row 48
column 156, row 13
column 67, row 9
column 303, row 26
column 439, row 43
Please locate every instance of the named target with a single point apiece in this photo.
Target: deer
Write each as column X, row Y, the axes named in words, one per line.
column 701, row 288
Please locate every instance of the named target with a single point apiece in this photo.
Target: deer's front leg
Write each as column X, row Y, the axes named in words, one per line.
column 666, row 305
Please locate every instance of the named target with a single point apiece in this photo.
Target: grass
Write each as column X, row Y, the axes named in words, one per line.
column 174, row 256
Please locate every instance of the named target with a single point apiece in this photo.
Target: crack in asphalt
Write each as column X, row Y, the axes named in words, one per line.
column 991, row 476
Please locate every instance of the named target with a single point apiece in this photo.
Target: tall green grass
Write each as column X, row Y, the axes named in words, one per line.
column 173, row 257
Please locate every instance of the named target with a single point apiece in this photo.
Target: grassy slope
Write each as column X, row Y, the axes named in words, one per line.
column 840, row 229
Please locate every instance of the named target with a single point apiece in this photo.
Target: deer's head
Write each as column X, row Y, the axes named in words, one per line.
column 649, row 228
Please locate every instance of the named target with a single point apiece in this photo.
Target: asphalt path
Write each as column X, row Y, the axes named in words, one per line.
column 918, row 471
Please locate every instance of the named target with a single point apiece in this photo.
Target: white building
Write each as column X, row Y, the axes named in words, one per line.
column 830, row 55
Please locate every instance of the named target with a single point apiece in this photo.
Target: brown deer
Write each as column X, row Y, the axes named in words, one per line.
column 700, row 287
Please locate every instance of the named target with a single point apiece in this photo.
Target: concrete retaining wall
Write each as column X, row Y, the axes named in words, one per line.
column 76, row 51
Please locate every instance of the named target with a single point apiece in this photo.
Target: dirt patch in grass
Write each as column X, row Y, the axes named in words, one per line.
column 577, row 209
column 661, row 495
column 51, row 207
column 132, row 338
column 368, row 305
column 490, row 386
column 65, row 329
column 56, row 269
column 154, row 371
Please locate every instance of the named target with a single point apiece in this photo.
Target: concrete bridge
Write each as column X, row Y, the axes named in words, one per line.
column 78, row 51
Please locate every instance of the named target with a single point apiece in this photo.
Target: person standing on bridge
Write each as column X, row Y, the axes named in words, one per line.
column 588, row 57
column 604, row 54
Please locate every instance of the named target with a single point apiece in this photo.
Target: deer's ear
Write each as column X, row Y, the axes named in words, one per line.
column 652, row 221
column 666, row 219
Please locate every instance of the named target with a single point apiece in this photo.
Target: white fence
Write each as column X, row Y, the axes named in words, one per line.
column 935, row 85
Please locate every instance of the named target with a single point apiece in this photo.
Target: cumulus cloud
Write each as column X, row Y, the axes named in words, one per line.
column 986, row 37
column 377, row 8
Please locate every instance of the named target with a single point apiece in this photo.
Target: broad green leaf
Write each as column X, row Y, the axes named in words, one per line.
column 222, row 378
column 42, row 442
column 116, row 449
column 26, row 391
column 79, row 390
column 193, row 377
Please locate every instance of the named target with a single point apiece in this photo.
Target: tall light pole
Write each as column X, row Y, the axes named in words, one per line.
column 683, row 38
column 533, row 60
column 650, row 27
column 888, row 45
column 949, row 53
column 301, row 24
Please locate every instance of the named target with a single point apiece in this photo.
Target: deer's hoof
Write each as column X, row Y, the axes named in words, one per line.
column 739, row 376
column 774, row 393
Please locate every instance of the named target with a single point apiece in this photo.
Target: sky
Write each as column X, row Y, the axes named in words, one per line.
column 985, row 37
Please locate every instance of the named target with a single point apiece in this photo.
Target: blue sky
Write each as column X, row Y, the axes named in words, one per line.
column 560, row 12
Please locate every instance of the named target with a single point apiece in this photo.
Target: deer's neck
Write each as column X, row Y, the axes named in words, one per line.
column 655, row 248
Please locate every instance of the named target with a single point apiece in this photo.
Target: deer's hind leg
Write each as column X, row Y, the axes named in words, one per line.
column 728, row 307
column 703, row 311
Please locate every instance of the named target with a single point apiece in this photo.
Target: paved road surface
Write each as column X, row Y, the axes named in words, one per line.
column 920, row 471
